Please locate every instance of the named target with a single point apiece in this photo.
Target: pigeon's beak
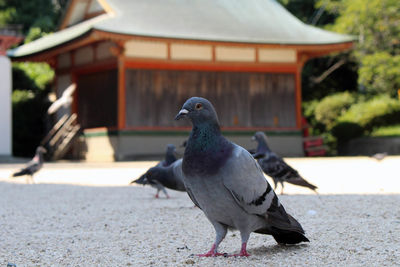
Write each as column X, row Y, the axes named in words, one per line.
column 253, row 138
column 182, row 113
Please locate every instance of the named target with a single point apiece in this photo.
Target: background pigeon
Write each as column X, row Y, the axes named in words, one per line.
column 65, row 100
column 224, row 181
column 34, row 165
column 169, row 177
column 169, row 159
column 275, row 167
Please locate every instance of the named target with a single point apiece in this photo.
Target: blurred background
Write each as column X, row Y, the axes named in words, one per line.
column 319, row 77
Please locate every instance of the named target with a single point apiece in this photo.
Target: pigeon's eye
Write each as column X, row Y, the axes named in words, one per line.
column 198, row 106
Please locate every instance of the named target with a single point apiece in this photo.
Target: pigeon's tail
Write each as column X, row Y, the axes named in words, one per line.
column 289, row 234
column 289, row 237
column 21, row 173
column 141, row 180
column 301, row 182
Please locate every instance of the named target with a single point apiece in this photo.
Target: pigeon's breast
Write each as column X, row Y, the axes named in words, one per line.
column 214, row 199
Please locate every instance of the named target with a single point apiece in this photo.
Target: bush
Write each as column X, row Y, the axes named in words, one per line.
column 344, row 131
column 393, row 130
column 379, row 111
column 331, row 107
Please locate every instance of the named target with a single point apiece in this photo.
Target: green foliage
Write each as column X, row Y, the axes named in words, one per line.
column 331, row 107
column 379, row 111
column 393, row 130
column 43, row 14
column 375, row 22
column 31, row 76
column 380, row 73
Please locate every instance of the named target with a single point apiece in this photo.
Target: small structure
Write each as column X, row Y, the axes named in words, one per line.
column 9, row 35
column 135, row 63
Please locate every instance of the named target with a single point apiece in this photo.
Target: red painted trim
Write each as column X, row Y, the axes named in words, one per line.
column 298, row 98
column 121, row 93
column 210, row 66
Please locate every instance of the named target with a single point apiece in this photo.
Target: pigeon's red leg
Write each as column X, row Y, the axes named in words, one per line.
column 212, row 253
column 243, row 251
column 156, row 196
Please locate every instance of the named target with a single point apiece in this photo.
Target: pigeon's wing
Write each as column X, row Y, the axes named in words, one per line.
column 277, row 168
column 243, row 177
column 178, row 173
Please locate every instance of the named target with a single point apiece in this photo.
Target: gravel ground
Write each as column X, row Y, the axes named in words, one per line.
column 85, row 215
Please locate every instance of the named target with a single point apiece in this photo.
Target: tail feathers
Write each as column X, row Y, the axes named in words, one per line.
column 288, row 237
column 141, row 180
column 21, row 173
column 302, row 182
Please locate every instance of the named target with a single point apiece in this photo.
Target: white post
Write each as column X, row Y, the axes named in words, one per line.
column 5, row 106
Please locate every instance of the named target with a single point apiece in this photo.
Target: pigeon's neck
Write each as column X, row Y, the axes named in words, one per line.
column 206, row 151
column 263, row 148
column 169, row 158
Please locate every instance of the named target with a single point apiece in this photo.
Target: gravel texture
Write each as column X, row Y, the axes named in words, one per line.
column 84, row 215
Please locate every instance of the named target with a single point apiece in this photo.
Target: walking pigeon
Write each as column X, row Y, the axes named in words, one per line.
column 275, row 167
column 169, row 159
column 224, row 181
column 169, row 177
column 34, row 165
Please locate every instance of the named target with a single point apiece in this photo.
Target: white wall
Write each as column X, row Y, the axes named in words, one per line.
column 5, row 106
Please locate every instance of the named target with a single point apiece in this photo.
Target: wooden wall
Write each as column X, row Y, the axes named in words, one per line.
column 97, row 99
column 153, row 97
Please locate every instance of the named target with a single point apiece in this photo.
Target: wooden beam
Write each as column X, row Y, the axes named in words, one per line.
column 121, row 93
column 135, row 63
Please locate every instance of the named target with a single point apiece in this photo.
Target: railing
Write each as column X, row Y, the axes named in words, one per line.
column 61, row 137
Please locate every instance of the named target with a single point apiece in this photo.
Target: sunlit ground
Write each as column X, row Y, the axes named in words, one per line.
column 85, row 214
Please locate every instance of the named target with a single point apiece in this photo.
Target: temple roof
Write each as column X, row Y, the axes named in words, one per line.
column 233, row 21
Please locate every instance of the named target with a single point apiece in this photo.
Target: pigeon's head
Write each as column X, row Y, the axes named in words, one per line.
column 40, row 150
column 259, row 137
column 170, row 148
column 153, row 173
column 198, row 110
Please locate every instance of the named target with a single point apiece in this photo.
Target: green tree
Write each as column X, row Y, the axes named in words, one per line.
column 376, row 23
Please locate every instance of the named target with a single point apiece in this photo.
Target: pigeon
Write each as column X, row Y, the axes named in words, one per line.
column 169, row 159
column 228, row 185
column 65, row 100
column 169, row 177
column 275, row 167
column 379, row 156
column 34, row 165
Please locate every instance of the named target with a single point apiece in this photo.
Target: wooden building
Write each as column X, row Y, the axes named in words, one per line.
column 135, row 62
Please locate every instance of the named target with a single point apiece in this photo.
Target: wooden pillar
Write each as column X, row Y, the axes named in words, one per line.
column 121, row 93
column 298, row 98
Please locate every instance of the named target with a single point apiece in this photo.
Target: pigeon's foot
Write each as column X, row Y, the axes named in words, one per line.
column 243, row 251
column 156, row 196
column 211, row 253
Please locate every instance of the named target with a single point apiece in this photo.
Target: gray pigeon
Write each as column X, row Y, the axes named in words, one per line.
column 275, row 167
column 34, row 165
column 225, row 181
column 169, row 177
column 169, row 159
